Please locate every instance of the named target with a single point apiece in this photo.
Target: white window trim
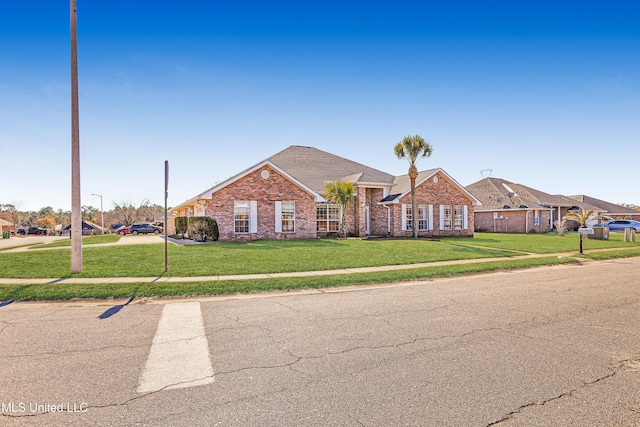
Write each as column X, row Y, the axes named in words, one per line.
column 465, row 217
column 430, row 217
column 404, row 217
column 253, row 216
column 278, row 219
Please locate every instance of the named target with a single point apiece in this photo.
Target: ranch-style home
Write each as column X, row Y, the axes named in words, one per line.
column 282, row 198
column 515, row 208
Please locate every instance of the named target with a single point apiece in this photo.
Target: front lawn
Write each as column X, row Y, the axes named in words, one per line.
column 544, row 243
column 263, row 256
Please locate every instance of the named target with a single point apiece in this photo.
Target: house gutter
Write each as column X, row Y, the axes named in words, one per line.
column 388, row 220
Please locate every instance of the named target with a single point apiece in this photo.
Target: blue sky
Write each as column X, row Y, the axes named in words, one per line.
column 539, row 92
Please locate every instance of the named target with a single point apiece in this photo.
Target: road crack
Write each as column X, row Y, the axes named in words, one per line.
column 612, row 372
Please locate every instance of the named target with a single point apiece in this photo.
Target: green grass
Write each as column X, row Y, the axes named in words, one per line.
column 544, row 243
column 268, row 256
column 114, row 290
column 265, row 256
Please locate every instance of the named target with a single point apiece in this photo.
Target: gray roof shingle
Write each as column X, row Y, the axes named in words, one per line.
column 496, row 193
column 314, row 168
column 608, row 207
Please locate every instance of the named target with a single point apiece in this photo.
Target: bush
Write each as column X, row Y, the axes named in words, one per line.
column 203, row 228
column 561, row 226
column 182, row 223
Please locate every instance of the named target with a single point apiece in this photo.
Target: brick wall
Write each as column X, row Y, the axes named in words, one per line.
column 266, row 191
column 512, row 221
column 443, row 192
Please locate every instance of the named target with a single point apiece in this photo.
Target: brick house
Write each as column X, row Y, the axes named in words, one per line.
column 281, row 198
column 610, row 209
column 515, row 208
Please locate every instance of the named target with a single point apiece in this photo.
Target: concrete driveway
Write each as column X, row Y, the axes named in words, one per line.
column 15, row 242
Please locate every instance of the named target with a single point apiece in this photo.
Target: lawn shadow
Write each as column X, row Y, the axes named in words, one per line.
column 113, row 310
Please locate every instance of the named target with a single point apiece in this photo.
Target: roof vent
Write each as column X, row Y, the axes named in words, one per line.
column 506, row 207
column 524, row 207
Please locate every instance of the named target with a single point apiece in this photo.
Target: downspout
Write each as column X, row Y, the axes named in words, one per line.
column 526, row 221
column 388, row 220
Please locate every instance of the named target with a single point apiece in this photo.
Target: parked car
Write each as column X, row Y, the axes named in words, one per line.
column 122, row 230
column 32, row 230
column 604, row 219
column 144, row 229
column 621, row 224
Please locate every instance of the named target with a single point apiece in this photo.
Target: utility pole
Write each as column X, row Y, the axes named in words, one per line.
column 76, row 213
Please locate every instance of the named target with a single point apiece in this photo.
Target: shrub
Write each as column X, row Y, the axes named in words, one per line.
column 182, row 223
column 203, row 228
column 561, row 226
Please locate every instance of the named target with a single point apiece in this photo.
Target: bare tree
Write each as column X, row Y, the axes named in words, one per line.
column 15, row 216
column 127, row 213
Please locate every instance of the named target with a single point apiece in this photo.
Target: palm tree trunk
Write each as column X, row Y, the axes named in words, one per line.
column 413, row 174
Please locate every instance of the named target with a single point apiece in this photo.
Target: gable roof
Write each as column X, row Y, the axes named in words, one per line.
column 402, row 186
column 314, row 168
column 608, row 207
column 5, row 223
column 496, row 193
column 310, row 169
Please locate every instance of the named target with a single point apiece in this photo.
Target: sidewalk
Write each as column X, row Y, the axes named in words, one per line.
column 125, row 240
column 356, row 270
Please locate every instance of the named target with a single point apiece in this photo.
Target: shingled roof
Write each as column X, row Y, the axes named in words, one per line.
column 402, row 185
column 496, row 193
column 314, row 168
column 608, row 207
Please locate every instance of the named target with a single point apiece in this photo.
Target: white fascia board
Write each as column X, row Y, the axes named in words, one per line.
column 510, row 210
column 373, row 184
column 475, row 201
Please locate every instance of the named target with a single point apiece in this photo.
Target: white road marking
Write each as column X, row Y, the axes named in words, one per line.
column 179, row 355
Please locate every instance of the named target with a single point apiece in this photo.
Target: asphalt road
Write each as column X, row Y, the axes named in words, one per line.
column 553, row 346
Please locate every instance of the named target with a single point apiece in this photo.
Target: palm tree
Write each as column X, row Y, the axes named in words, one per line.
column 411, row 148
column 340, row 193
column 582, row 217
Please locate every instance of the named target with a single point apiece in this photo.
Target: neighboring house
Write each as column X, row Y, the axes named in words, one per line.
column 610, row 209
column 87, row 228
column 281, row 198
column 515, row 208
column 6, row 227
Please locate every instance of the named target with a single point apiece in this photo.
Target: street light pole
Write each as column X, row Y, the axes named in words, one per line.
column 101, row 210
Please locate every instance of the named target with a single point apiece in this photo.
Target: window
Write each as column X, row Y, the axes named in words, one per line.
column 408, row 215
column 458, row 217
column 446, row 219
column 537, row 218
column 241, row 216
column 328, row 217
column 285, row 217
column 425, row 217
